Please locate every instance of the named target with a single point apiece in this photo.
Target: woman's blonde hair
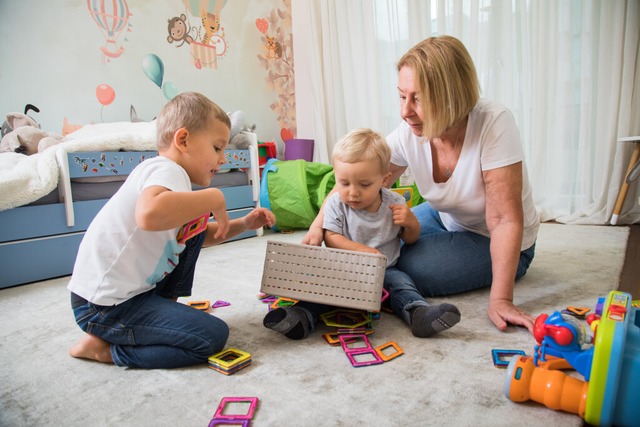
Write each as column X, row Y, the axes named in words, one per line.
column 361, row 145
column 190, row 110
column 446, row 79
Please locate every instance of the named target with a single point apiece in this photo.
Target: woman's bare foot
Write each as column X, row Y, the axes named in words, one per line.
column 93, row 348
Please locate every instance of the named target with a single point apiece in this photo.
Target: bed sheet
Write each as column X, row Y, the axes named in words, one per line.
column 25, row 179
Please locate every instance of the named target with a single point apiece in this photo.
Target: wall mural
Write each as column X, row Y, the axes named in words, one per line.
column 206, row 42
column 200, row 31
column 153, row 68
column 276, row 58
column 112, row 18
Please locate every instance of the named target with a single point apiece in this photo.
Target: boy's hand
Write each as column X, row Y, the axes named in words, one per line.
column 367, row 249
column 403, row 216
column 338, row 241
column 258, row 218
column 313, row 237
column 222, row 218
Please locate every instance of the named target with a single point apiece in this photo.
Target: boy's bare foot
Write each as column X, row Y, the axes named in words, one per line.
column 93, row 348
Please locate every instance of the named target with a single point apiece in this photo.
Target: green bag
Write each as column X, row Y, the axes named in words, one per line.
column 294, row 191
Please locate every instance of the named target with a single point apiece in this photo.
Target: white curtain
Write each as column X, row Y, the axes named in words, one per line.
column 568, row 69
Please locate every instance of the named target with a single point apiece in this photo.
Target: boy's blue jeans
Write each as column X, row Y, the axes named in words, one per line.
column 442, row 263
column 152, row 331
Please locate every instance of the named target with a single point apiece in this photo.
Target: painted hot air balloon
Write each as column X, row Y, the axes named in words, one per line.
column 112, row 17
column 204, row 53
column 200, row 7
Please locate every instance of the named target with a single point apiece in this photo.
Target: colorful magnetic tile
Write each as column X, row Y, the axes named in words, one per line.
column 391, row 344
column 501, row 358
column 332, row 338
column 200, row 305
column 339, row 318
column 232, row 370
column 229, row 358
column 220, row 303
column 355, row 342
column 269, row 299
column 192, row 228
column 375, row 359
column 283, row 302
column 220, row 412
column 385, row 295
column 359, row 330
column 229, row 422
column 580, row 311
column 342, row 331
column 234, row 367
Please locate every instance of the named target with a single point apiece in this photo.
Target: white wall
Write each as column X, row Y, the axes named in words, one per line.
column 51, row 59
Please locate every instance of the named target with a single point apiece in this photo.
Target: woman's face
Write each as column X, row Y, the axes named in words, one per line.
column 410, row 100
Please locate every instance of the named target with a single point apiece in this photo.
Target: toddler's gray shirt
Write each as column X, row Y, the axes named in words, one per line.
column 376, row 230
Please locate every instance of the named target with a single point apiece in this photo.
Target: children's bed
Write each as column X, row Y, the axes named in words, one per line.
column 49, row 199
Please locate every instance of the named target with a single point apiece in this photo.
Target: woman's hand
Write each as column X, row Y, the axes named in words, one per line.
column 502, row 312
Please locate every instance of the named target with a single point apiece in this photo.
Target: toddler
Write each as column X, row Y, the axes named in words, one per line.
column 362, row 214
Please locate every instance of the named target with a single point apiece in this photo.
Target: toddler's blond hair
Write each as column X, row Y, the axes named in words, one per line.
column 362, row 145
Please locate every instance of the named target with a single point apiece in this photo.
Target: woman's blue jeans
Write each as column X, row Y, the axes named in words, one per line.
column 151, row 330
column 442, row 262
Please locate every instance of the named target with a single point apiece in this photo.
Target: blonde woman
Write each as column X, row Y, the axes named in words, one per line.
column 479, row 224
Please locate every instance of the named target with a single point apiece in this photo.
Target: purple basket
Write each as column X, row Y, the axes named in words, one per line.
column 295, row 149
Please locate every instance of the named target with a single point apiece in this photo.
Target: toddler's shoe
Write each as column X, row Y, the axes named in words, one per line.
column 293, row 322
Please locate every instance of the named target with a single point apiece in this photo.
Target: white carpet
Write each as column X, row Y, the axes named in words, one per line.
column 446, row 380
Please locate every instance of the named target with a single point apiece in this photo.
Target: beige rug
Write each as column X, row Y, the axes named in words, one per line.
column 446, row 380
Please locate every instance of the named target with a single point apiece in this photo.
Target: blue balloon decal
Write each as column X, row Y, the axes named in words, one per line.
column 153, row 68
column 169, row 90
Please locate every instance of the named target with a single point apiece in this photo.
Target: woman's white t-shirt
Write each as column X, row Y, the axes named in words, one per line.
column 492, row 140
column 118, row 260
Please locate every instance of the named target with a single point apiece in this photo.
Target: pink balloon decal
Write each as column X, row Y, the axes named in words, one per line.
column 105, row 94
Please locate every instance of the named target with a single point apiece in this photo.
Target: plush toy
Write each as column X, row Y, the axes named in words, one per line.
column 238, row 140
column 26, row 137
column 68, row 128
column 134, row 116
column 28, row 140
column 15, row 120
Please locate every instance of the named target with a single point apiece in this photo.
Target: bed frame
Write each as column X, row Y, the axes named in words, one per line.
column 39, row 242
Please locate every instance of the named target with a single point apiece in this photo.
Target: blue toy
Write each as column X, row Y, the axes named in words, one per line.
column 609, row 362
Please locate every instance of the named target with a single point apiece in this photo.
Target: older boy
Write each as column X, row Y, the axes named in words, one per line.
column 132, row 265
